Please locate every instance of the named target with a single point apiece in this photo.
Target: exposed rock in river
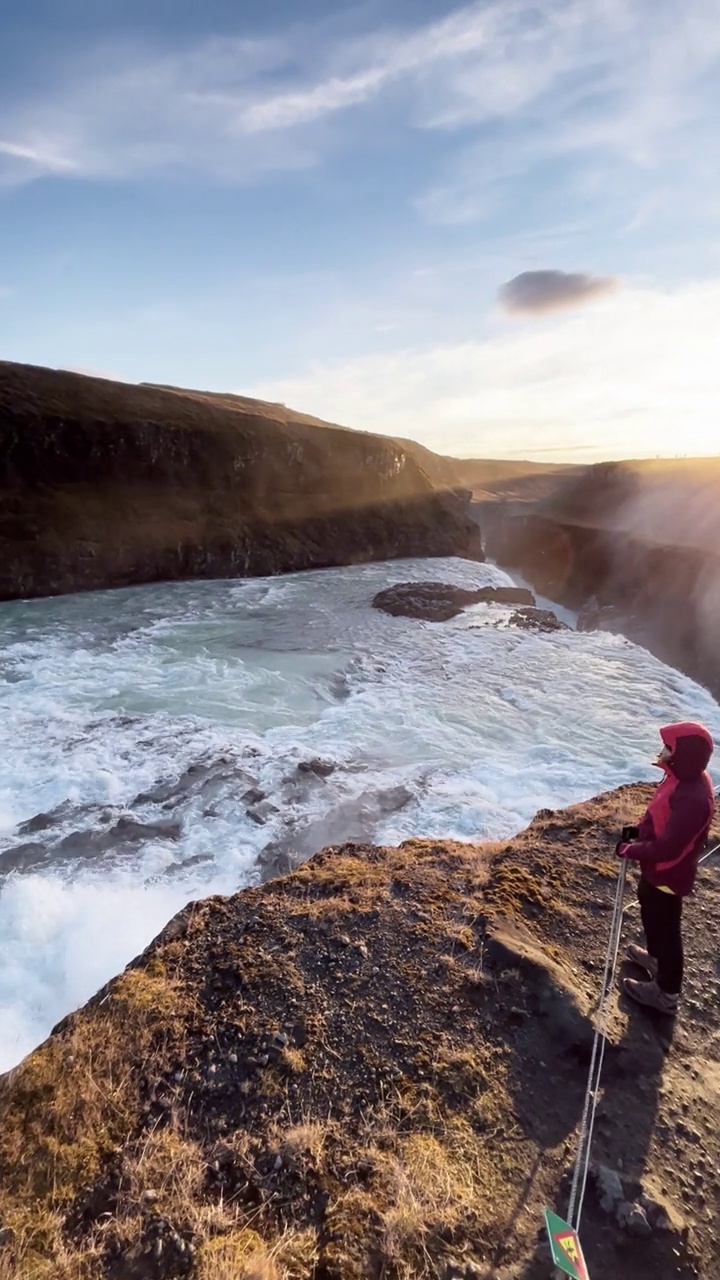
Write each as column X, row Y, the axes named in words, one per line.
column 440, row 601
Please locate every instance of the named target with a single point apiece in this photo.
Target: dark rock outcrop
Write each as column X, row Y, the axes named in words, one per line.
column 440, row 601
column 103, row 484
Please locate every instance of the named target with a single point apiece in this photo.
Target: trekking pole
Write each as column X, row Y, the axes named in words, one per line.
column 563, row 1236
column 716, row 847
column 709, row 854
column 587, row 1123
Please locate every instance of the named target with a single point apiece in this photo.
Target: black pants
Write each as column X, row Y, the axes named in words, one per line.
column 661, row 915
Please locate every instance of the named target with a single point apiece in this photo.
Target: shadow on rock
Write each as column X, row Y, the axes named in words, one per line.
column 629, row 1226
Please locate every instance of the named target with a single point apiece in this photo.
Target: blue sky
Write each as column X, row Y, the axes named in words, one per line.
column 322, row 203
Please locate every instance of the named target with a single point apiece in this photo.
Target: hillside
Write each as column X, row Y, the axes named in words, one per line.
column 494, row 480
column 373, row 1067
column 105, row 484
column 488, row 479
column 668, row 501
column 635, row 546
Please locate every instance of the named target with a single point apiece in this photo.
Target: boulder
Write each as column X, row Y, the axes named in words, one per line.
column 537, row 620
column 440, row 601
column 321, row 768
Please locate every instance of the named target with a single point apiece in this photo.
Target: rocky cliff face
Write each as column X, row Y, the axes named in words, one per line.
column 104, row 484
column 630, row 558
column 373, row 1067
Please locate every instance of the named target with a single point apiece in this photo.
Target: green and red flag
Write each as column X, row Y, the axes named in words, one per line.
column 566, row 1249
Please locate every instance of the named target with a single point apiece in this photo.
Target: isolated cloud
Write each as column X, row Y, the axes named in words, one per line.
column 534, row 293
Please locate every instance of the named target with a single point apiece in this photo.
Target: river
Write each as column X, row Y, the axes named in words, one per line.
column 154, row 745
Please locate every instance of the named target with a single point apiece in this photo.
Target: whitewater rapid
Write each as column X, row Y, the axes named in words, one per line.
column 150, row 740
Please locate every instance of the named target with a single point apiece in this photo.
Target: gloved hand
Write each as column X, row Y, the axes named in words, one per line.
column 621, row 848
column 628, row 834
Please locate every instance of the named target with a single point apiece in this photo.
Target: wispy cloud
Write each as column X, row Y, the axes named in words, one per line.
column 570, row 76
column 636, row 375
column 537, row 292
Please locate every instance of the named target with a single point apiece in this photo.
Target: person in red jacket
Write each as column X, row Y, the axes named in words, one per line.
column 667, row 845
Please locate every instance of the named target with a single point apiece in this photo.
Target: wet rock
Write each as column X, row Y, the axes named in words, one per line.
column 93, row 841
column 321, row 768
column 177, row 869
column 254, row 796
column 352, row 819
column 537, row 620
column 130, row 829
column 262, row 812
column 205, row 778
column 23, row 857
column 278, row 859
column 440, row 601
column 43, row 821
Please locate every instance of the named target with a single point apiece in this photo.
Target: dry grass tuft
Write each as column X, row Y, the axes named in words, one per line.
column 304, row 1144
column 240, row 1255
column 65, row 1112
column 428, row 1186
column 244, row 1255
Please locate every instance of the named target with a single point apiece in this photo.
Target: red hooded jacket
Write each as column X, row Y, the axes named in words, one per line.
column 673, row 832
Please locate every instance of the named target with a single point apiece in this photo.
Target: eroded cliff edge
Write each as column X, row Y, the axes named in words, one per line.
column 374, row 1067
column 104, row 484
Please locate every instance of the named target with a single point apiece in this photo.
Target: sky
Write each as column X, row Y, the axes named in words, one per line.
column 493, row 227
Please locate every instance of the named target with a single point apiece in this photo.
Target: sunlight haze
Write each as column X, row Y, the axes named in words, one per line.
column 491, row 227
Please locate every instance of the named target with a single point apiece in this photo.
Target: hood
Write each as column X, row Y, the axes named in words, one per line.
column 691, row 745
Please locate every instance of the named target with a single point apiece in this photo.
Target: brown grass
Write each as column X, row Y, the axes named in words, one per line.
column 392, row 1129
column 66, row 1110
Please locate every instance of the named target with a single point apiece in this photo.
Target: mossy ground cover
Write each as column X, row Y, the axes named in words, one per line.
column 373, row 1067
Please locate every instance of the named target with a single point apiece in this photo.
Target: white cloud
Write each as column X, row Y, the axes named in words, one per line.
column 571, row 75
column 638, row 375
column 34, row 155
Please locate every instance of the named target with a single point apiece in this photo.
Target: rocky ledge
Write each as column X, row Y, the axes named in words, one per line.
column 374, row 1067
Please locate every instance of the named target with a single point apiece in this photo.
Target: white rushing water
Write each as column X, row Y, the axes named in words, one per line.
column 460, row 729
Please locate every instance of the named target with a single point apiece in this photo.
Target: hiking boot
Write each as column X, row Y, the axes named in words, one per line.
column 641, row 957
column 650, row 996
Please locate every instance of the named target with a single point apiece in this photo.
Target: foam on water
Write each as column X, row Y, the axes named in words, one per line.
column 458, row 729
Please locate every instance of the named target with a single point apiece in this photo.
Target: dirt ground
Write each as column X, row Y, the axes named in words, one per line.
column 375, row 1068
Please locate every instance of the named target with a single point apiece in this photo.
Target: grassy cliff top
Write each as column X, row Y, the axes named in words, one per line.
column 373, row 1067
